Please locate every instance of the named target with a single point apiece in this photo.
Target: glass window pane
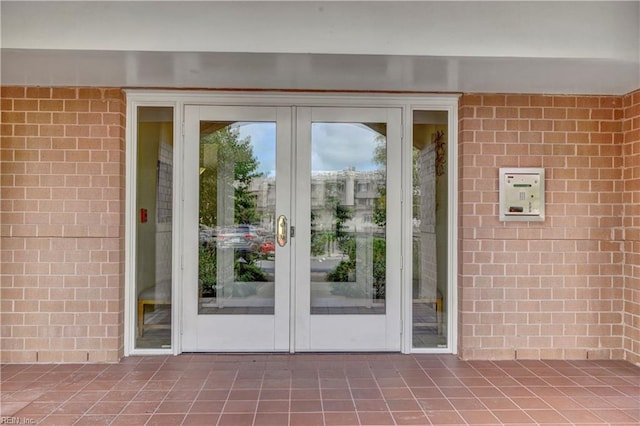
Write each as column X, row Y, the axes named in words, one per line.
column 237, row 218
column 154, row 226
column 430, row 201
column 348, row 215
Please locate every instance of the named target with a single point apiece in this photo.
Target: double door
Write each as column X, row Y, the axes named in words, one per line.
column 291, row 236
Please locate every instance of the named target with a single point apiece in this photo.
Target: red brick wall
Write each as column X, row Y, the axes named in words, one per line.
column 552, row 289
column 565, row 288
column 62, row 224
column 631, row 150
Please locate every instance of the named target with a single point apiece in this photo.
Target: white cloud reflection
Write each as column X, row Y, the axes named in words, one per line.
column 336, row 146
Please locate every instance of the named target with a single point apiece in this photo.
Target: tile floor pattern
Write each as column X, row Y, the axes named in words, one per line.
column 321, row 389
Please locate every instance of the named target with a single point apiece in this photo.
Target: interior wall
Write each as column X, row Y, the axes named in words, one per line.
column 147, row 180
column 62, row 192
column 551, row 289
column 631, row 127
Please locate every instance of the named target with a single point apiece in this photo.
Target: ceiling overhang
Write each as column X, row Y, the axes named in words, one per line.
column 416, row 46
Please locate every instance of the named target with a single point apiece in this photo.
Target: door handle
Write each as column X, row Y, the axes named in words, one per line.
column 282, row 230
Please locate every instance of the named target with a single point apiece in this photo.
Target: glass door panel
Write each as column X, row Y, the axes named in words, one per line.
column 429, row 242
column 348, row 218
column 347, row 269
column 154, row 236
column 236, row 280
column 236, row 251
column 244, row 250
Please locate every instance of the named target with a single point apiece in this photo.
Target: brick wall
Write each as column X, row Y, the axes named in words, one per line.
column 552, row 289
column 62, row 224
column 565, row 288
column 631, row 149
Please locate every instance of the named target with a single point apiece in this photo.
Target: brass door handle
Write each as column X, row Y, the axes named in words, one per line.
column 282, row 230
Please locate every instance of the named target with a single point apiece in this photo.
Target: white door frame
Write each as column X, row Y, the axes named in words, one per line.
column 264, row 332
column 359, row 332
column 178, row 99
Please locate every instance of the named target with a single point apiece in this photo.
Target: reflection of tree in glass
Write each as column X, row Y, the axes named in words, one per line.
column 380, row 203
column 219, row 151
column 346, row 269
column 228, row 165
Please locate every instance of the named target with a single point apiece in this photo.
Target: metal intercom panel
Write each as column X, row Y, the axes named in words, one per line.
column 522, row 194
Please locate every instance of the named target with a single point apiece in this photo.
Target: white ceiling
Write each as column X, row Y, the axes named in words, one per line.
column 456, row 46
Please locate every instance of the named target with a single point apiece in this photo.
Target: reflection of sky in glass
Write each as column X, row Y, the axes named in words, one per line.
column 263, row 141
column 336, row 146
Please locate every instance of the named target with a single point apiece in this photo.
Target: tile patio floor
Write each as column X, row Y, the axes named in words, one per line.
column 321, row 389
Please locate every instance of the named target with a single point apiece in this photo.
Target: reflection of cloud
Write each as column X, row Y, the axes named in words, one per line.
column 337, row 146
column 263, row 141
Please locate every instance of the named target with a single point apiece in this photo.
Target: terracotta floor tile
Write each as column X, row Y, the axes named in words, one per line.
column 415, row 418
column 297, row 394
column 338, row 405
column 512, row 416
column 467, row 404
column 403, row 405
column 274, row 406
column 275, row 394
column 165, row 420
column 546, row 416
column 366, row 393
column 456, row 392
column 140, row 407
column 305, row 406
column 236, row 419
column 306, row 419
column 128, row 420
column 243, row 394
column 74, row 407
column 336, row 393
column 445, row 418
column 323, row 389
column 107, row 407
column 197, row 419
column 240, row 407
column 436, row 404
column 427, row 392
column 397, row 393
column 375, row 418
column 479, row 417
column 371, row 405
column 271, row 419
column 174, row 407
column 615, row 416
column 59, row 420
column 341, row 419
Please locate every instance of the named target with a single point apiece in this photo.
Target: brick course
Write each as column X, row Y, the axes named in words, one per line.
column 556, row 289
column 565, row 288
column 62, row 224
column 631, row 208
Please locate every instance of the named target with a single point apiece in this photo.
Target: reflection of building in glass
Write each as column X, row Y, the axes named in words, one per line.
column 356, row 190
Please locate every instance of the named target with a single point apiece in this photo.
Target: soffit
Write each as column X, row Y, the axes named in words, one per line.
column 548, row 47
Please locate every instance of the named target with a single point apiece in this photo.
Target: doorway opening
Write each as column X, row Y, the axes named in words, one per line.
column 291, row 228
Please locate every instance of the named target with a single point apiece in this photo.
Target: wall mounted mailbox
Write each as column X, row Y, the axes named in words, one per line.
column 522, row 194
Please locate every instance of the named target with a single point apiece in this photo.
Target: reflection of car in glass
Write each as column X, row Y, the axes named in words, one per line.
column 240, row 237
column 268, row 247
column 207, row 236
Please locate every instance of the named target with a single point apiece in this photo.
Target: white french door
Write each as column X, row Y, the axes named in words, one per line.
column 291, row 233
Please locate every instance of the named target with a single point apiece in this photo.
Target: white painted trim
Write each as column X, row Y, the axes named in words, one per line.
column 451, row 107
column 131, row 155
column 177, row 99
